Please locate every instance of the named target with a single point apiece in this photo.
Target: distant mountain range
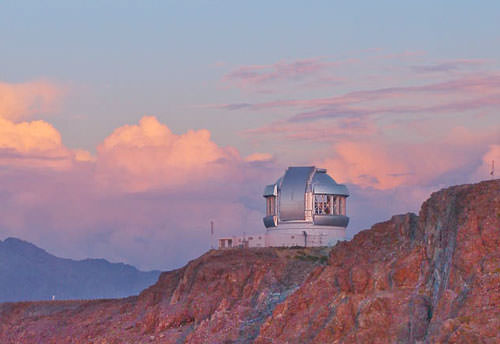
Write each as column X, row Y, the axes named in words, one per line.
column 29, row 273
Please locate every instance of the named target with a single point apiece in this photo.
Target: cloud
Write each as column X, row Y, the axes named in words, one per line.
column 319, row 131
column 387, row 176
column 312, row 72
column 145, row 198
column 32, row 144
column 448, row 66
column 29, row 99
column 468, row 92
column 387, row 164
column 245, row 76
column 490, row 164
column 259, row 157
column 148, row 155
column 35, row 144
column 148, row 195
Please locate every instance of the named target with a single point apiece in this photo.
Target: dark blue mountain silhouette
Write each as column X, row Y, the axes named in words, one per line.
column 29, row 273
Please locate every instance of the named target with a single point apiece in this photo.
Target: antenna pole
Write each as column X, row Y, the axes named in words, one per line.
column 211, row 234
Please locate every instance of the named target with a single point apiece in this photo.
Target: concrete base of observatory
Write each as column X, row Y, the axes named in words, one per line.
column 303, row 234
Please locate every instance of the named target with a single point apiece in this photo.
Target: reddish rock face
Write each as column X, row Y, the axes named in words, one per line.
column 223, row 296
column 432, row 278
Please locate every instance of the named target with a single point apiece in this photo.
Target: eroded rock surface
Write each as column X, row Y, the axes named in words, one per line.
column 221, row 297
column 432, row 278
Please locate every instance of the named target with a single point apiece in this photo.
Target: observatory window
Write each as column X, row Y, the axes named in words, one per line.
column 342, row 205
column 338, row 205
column 323, row 204
column 329, row 205
column 270, row 206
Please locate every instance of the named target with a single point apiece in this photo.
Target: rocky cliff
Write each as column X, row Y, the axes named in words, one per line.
column 432, row 278
column 223, row 296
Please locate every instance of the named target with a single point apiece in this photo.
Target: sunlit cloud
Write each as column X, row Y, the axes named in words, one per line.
column 29, row 99
column 387, row 164
column 148, row 155
column 146, row 197
column 259, row 157
column 147, row 194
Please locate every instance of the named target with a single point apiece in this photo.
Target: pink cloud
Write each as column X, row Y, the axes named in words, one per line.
column 148, row 155
column 448, row 66
column 319, row 131
column 286, row 71
column 318, row 69
column 35, row 144
column 29, row 99
column 386, row 164
column 258, row 74
column 145, row 198
column 483, row 87
column 490, row 164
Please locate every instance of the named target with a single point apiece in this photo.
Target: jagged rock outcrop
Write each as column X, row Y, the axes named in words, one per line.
column 432, row 278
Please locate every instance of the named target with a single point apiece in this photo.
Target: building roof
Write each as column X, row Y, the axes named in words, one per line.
column 296, row 181
column 292, row 189
column 322, row 183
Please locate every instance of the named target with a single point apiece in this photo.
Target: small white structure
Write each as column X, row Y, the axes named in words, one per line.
column 242, row 242
column 305, row 207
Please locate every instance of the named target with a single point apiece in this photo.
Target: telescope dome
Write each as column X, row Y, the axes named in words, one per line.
column 305, row 207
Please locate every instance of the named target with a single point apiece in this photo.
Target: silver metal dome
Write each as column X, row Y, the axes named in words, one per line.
column 292, row 198
column 322, row 183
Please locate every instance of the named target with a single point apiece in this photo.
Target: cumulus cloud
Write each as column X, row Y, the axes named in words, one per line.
column 145, row 198
column 27, row 100
column 388, row 176
column 148, row 155
column 490, row 164
column 386, row 164
column 259, row 157
column 148, row 195
column 32, row 144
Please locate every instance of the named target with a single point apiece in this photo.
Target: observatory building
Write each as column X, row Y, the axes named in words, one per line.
column 305, row 207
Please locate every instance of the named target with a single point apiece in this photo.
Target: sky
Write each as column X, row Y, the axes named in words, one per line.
column 127, row 126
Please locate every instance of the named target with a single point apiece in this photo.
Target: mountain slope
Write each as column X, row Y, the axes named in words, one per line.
column 30, row 273
column 221, row 297
column 432, row 278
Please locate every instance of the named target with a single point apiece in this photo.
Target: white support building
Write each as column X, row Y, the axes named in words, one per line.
column 305, row 207
column 242, row 242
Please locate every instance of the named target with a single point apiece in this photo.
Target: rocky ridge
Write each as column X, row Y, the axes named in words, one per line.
column 434, row 278
column 223, row 296
column 431, row 278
